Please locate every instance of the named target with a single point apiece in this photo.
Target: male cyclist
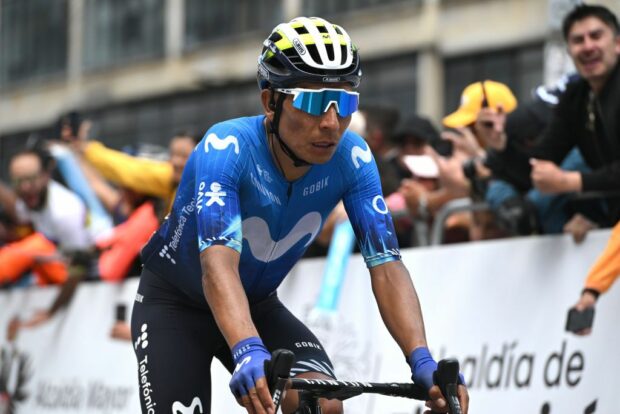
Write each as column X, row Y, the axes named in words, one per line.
column 254, row 194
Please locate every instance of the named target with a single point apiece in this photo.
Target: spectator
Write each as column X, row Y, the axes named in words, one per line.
column 379, row 123
column 58, row 216
column 149, row 177
column 586, row 117
column 603, row 273
column 519, row 208
column 465, row 135
column 420, row 187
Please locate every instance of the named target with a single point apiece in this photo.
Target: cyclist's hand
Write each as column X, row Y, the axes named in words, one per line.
column 248, row 382
column 422, row 368
column 438, row 404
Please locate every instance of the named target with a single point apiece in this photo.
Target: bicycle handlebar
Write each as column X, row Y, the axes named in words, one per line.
column 277, row 372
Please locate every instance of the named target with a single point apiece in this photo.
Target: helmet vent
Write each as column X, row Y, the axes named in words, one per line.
column 275, row 36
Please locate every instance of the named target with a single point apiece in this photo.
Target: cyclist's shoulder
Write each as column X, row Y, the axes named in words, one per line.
column 353, row 151
column 236, row 131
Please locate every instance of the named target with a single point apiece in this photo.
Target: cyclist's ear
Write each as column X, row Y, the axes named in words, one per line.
column 269, row 106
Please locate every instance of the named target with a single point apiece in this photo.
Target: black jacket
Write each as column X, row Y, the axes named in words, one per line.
column 571, row 125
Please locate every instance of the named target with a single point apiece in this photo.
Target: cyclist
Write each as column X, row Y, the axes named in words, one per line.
column 253, row 195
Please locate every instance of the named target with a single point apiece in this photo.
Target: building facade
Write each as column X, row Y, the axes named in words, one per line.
column 143, row 69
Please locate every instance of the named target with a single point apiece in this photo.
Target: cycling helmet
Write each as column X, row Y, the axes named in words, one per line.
column 308, row 50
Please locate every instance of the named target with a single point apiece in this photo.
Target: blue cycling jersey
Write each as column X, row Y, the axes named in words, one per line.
column 233, row 194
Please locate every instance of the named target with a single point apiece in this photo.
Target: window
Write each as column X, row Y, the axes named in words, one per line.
column 33, row 39
column 520, row 68
column 329, row 7
column 118, row 31
column 207, row 20
column 392, row 84
column 156, row 121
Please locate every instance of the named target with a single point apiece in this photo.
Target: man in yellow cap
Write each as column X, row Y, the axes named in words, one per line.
column 465, row 135
column 478, row 95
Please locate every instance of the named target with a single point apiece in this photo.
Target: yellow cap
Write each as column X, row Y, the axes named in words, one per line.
column 497, row 94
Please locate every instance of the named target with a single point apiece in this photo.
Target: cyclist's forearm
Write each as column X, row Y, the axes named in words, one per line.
column 398, row 304
column 225, row 295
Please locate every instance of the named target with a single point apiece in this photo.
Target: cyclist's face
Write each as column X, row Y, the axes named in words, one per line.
column 313, row 138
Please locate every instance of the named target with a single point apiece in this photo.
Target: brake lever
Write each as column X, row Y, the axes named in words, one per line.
column 447, row 378
column 277, row 373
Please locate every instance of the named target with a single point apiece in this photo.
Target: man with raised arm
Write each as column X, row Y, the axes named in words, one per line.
column 254, row 194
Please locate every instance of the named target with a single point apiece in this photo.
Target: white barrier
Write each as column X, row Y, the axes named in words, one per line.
column 499, row 307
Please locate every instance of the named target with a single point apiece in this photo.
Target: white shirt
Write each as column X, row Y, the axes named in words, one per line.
column 62, row 219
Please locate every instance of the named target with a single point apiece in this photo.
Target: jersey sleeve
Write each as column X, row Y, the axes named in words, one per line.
column 366, row 207
column 220, row 161
column 606, row 269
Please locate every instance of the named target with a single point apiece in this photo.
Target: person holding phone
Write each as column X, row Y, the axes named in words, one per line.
column 602, row 275
column 466, row 167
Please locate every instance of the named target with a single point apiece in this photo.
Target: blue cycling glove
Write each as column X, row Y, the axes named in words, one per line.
column 249, row 356
column 422, row 367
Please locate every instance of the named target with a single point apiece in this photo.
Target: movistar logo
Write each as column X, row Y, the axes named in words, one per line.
column 256, row 231
column 221, row 144
column 178, row 408
column 357, row 153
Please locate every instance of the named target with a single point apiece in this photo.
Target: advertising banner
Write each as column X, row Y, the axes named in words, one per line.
column 499, row 307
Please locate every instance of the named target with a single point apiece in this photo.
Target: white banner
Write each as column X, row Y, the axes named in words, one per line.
column 499, row 307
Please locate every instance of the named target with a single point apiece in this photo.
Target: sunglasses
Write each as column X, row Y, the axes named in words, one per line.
column 29, row 179
column 317, row 101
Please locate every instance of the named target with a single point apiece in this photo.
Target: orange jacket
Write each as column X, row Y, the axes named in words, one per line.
column 607, row 267
column 32, row 253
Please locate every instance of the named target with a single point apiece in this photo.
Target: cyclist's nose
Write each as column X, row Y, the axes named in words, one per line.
column 330, row 119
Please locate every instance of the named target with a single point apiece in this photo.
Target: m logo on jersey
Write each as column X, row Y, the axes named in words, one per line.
column 357, row 153
column 178, row 408
column 256, row 231
column 221, row 144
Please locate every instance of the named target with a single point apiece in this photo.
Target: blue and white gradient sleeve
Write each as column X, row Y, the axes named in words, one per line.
column 367, row 209
column 219, row 165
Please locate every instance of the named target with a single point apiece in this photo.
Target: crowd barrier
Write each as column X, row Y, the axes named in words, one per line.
column 498, row 306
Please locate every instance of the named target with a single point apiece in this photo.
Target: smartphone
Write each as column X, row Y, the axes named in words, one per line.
column 444, row 147
column 579, row 320
column 120, row 313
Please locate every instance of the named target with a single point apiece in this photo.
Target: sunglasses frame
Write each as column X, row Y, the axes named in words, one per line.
column 295, row 92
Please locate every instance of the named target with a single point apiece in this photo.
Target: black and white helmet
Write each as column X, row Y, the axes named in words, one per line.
column 308, row 50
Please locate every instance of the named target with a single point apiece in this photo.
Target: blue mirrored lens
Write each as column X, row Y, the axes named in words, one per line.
column 317, row 102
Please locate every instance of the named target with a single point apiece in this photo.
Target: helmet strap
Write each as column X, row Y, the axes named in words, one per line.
column 277, row 111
